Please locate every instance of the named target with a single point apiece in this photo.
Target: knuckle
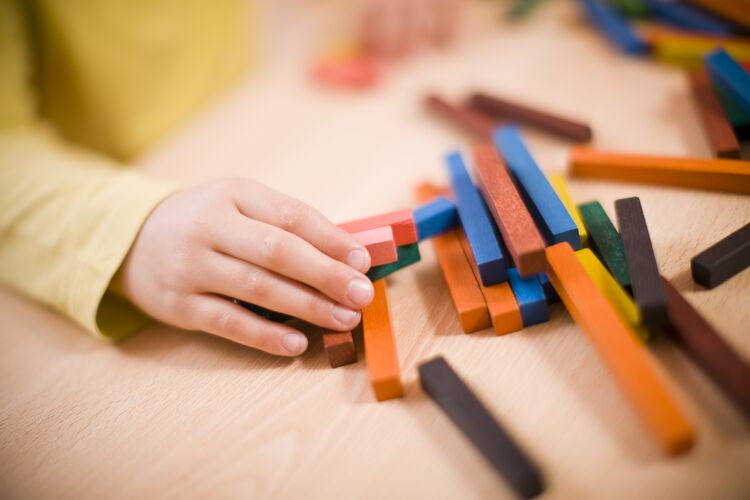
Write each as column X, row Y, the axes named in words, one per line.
column 255, row 284
column 174, row 302
column 291, row 216
column 272, row 247
column 224, row 320
column 172, row 308
column 178, row 266
column 198, row 227
column 187, row 312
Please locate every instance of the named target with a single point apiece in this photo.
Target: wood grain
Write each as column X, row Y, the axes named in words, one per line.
column 462, row 406
column 175, row 414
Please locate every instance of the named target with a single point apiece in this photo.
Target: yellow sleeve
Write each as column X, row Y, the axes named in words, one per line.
column 67, row 217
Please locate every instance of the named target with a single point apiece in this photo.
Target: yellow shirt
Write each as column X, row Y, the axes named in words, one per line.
column 84, row 86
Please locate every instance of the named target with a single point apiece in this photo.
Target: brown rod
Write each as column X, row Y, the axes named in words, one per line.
column 462, row 116
column 494, row 106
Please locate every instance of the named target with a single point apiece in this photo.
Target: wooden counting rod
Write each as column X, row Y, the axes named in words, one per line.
column 380, row 347
column 616, row 344
column 557, row 181
column 545, row 207
column 462, row 116
column 730, row 9
column 718, row 130
column 475, row 421
column 732, row 176
column 648, row 291
column 726, row 72
column 380, row 244
column 477, row 223
column 614, row 27
column 339, row 347
column 520, row 235
column 688, row 17
column 435, row 217
column 407, row 255
column 605, row 241
column 530, row 296
column 701, row 342
column 722, row 260
column 501, row 108
column 463, row 286
column 402, row 222
column 739, row 119
column 688, row 48
column 462, row 283
column 502, row 305
column 617, row 296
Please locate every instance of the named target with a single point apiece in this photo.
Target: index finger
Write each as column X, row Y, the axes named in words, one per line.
column 266, row 205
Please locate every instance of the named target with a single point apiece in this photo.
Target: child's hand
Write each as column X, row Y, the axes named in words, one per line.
column 238, row 239
column 392, row 27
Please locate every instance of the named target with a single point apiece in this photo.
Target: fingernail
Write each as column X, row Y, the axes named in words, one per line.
column 344, row 315
column 360, row 291
column 358, row 259
column 294, row 343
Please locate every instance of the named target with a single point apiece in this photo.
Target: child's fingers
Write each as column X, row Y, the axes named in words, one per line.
column 266, row 205
column 221, row 317
column 291, row 256
column 234, row 278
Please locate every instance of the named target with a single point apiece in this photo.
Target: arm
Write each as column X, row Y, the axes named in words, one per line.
column 67, row 217
column 67, row 220
column 74, row 227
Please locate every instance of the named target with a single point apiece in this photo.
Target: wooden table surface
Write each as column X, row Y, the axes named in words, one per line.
column 173, row 414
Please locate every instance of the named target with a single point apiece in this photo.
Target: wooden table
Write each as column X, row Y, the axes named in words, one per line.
column 183, row 415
